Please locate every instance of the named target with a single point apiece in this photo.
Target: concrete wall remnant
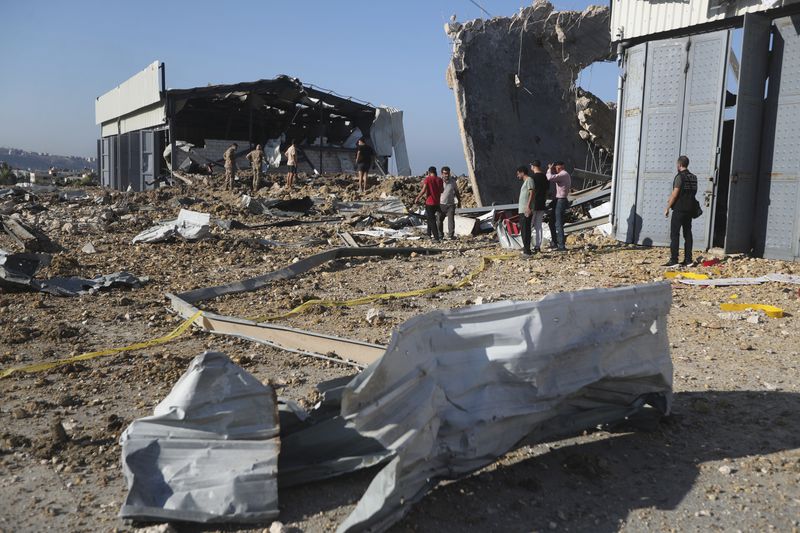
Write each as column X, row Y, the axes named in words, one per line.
column 514, row 85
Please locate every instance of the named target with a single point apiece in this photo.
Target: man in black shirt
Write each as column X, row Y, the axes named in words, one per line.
column 541, row 189
column 682, row 203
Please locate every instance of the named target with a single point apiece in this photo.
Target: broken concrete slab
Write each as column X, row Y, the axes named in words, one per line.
column 502, row 125
column 596, row 119
column 28, row 237
column 209, row 452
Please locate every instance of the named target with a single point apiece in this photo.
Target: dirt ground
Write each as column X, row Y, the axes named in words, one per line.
column 727, row 459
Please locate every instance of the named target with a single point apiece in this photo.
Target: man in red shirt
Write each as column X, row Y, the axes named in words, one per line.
column 432, row 188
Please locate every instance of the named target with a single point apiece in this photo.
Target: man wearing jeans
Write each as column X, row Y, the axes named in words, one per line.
column 448, row 204
column 525, row 208
column 682, row 203
column 432, row 191
column 557, row 174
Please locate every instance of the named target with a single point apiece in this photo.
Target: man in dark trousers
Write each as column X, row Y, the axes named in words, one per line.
column 541, row 188
column 525, row 208
column 557, row 173
column 432, row 187
column 682, row 203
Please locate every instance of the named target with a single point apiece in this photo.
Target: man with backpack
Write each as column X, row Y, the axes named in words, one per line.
column 684, row 207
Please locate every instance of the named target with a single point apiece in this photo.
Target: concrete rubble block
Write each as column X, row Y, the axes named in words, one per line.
column 510, row 114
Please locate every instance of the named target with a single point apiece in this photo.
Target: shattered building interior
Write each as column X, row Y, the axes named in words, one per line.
column 141, row 120
column 684, row 89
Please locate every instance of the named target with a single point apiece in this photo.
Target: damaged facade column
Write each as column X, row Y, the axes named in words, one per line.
column 514, row 84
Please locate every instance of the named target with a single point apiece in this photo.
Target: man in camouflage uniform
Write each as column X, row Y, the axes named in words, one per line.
column 256, row 158
column 230, row 165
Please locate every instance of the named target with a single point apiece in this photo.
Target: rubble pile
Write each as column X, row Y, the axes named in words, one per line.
column 733, row 370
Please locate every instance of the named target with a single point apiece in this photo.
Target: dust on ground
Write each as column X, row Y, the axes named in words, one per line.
column 727, row 459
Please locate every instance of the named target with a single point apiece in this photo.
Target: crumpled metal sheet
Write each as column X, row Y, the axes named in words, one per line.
column 209, row 453
column 190, row 226
column 17, row 273
column 457, row 389
column 17, row 270
column 59, row 286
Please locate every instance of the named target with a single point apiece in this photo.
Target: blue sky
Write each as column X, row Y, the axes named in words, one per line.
column 56, row 57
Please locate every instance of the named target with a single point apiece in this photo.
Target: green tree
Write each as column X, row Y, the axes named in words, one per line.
column 7, row 176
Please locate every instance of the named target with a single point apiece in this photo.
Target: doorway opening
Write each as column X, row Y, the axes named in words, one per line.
column 726, row 141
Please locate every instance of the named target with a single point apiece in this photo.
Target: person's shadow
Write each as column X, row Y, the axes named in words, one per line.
column 594, row 486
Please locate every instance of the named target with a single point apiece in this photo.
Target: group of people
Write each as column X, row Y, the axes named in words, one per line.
column 441, row 195
column 543, row 192
column 365, row 156
column 256, row 158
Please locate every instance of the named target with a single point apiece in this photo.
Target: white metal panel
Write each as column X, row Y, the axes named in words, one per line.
column 141, row 90
column 109, row 128
column 747, row 134
column 665, row 84
column 155, row 115
column 702, row 118
column 627, row 167
column 778, row 228
column 637, row 18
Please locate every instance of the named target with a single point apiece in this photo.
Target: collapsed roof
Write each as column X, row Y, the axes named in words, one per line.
column 265, row 109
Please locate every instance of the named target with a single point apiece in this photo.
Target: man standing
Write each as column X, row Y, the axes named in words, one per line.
column 682, row 202
column 364, row 156
column 291, row 161
column 525, row 208
column 557, row 174
column 256, row 158
column 432, row 187
column 230, row 165
column 541, row 188
column 448, row 203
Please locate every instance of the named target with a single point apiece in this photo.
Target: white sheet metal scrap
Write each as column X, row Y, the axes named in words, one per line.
column 209, row 453
column 454, row 391
column 457, row 389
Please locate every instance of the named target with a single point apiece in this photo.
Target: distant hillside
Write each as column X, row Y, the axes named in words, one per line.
column 39, row 161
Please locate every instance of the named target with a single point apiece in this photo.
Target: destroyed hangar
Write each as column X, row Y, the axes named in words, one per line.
column 146, row 129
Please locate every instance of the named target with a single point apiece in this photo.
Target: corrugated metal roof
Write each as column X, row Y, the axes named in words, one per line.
column 637, row 18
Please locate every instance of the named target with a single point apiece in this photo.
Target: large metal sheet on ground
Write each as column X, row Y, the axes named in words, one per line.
column 628, row 156
column 661, row 136
column 702, row 117
column 747, row 134
column 778, row 226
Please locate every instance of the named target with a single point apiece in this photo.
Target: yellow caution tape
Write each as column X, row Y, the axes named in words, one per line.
column 169, row 337
column 770, row 310
column 684, row 275
column 305, row 306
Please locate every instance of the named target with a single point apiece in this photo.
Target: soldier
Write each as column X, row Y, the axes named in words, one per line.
column 256, row 158
column 230, row 165
column 291, row 161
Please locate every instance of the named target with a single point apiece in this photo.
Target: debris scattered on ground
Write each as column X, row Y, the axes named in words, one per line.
column 190, row 226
